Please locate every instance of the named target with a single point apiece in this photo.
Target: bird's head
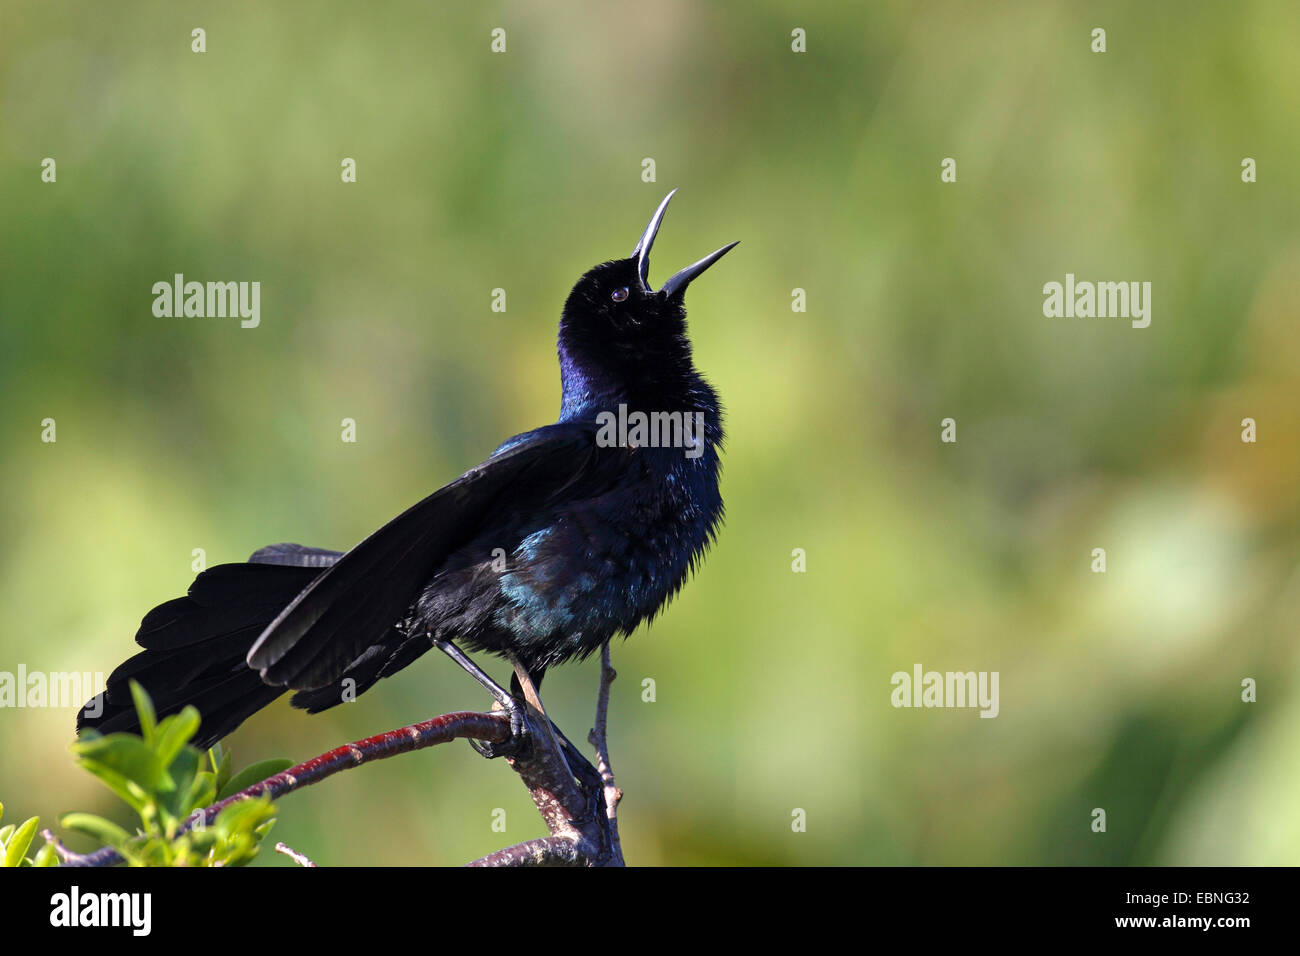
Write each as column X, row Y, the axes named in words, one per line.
column 617, row 332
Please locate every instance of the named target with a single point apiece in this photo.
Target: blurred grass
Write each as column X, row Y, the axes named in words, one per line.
column 520, row 171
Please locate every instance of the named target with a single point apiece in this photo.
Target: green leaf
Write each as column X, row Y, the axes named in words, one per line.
column 4, row 834
column 174, row 733
column 252, row 774
column 183, row 772
column 47, row 855
column 124, row 756
column 240, row 828
column 105, row 831
column 16, row 848
column 215, row 753
column 128, row 790
column 201, row 792
column 244, row 816
column 144, row 708
column 222, row 764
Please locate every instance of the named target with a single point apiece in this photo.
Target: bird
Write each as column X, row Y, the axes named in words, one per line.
column 565, row 537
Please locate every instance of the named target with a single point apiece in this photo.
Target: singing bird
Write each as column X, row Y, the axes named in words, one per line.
column 597, row 535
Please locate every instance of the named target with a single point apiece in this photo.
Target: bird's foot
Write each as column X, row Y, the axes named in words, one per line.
column 520, row 742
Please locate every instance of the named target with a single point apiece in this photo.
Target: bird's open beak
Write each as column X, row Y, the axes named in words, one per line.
column 682, row 279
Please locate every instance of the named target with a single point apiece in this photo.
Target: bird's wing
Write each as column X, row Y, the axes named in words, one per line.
column 353, row 603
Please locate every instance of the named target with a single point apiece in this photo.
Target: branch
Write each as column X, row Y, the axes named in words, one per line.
column 581, row 814
column 291, row 853
column 598, row 739
column 439, row 730
column 66, row 855
column 544, row 851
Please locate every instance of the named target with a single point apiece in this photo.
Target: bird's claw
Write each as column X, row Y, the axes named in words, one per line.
column 520, row 742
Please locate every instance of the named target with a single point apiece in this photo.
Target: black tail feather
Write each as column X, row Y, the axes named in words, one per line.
column 195, row 649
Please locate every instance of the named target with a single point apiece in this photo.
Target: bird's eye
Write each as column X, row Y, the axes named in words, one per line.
column 618, row 295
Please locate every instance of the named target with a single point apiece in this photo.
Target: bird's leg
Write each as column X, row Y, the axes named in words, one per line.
column 524, row 683
column 521, row 682
column 511, row 705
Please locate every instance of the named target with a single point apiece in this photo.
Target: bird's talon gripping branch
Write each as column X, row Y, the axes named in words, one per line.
column 520, row 743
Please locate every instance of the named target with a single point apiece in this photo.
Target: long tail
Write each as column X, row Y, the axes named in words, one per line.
column 195, row 646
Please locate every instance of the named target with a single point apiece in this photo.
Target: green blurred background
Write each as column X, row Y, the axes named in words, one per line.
column 520, row 170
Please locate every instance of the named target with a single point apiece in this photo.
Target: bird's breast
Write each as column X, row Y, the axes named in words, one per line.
column 600, row 566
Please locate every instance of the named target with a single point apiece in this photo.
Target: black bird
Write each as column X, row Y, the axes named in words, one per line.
column 565, row 537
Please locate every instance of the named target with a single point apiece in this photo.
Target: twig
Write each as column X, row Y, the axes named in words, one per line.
column 66, row 855
column 439, row 730
column 291, row 853
column 598, row 738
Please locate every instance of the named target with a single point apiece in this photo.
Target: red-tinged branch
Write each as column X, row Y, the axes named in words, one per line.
column 440, row 730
